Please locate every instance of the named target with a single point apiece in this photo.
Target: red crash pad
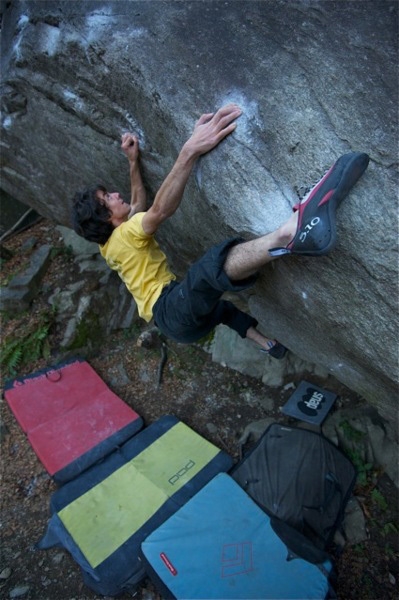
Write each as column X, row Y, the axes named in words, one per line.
column 71, row 417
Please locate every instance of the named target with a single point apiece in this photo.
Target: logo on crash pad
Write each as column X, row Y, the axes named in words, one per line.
column 236, row 559
column 311, row 402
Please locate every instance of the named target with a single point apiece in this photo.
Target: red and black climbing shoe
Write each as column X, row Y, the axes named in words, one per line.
column 316, row 232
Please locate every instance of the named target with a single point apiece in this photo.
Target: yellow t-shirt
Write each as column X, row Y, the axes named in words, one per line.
column 139, row 262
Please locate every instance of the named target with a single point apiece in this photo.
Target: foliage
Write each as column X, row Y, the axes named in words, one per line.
column 64, row 251
column 132, row 331
column 388, row 528
column 355, row 438
column 18, row 350
column 207, row 340
column 350, row 432
column 363, row 469
column 379, row 499
column 88, row 333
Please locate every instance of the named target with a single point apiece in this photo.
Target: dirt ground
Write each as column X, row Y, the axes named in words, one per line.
column 216, row 402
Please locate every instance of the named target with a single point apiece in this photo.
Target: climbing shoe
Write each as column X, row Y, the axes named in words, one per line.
column 316, row 232
column 276, row 350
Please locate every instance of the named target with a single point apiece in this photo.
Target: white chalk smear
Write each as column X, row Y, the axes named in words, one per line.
column 23, row 21
column 7, row 122
column 49, row 40
column 96, row 24
column 73, row 99
column 336, row 367
column 250, row 113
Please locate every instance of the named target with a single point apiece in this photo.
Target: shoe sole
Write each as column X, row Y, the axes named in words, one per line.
column 316, row 233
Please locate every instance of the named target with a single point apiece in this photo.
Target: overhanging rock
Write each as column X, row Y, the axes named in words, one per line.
column 314, row 79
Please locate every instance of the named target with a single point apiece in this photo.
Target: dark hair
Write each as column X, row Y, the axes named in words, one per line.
column 91, row 218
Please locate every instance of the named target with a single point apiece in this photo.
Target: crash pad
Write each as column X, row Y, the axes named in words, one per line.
column 221, row 545
column 102, row 516
column 70, row 416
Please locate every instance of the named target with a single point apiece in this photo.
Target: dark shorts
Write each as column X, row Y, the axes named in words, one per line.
column 189, row 310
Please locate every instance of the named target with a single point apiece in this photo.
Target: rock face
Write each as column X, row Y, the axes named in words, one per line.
column 314, row 79
column 16, row 297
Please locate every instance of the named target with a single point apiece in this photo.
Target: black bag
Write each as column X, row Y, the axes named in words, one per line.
column 300, row 478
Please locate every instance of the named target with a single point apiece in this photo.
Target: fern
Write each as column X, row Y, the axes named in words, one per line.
column 19, row 351
column 11, row 356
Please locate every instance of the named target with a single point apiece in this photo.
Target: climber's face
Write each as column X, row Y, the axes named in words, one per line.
column 116, row 205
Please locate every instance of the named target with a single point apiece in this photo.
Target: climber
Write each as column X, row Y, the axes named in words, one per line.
column 188, row 310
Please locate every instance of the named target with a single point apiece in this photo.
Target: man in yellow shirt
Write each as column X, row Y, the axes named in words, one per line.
column 188, row 310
